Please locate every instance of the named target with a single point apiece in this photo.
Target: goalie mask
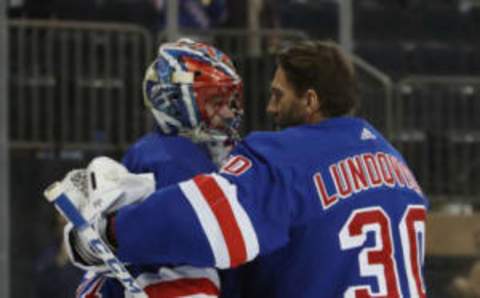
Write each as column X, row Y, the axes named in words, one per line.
column 193, row 89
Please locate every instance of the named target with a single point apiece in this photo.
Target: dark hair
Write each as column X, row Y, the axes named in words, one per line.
column 323, row 67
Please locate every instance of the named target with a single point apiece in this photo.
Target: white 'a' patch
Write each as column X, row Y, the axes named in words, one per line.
column 367, row 135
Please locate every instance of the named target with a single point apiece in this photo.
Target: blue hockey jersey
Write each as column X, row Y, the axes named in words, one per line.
column 324, row 210
column 171, row 159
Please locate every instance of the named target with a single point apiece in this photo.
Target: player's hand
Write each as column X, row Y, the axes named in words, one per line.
column 103, row 187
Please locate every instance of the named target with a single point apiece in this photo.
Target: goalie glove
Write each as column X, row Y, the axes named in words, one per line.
column 111, row 186
column 101, row 189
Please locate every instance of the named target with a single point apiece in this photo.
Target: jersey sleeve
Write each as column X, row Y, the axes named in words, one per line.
column 221, row 219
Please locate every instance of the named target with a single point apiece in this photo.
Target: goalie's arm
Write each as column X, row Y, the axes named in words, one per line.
column 200, row 222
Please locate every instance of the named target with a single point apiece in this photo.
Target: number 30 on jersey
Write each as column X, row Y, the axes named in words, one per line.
column 379, row 261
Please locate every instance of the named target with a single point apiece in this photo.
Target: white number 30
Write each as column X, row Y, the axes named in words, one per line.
column 379, row 260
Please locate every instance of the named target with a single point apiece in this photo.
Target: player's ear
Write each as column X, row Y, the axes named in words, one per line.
column 312, row 101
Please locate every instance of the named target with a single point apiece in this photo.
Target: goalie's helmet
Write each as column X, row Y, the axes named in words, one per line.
column 193, row 89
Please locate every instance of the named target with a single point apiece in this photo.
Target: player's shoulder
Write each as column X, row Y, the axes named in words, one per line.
column 157, row 147
column 326, row 135
column 153, row 137
column 160, row 143
column 273, row 147
column 146, row 144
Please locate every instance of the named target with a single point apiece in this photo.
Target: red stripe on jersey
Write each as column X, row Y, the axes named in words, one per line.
column 220, row 206
column 182, row 287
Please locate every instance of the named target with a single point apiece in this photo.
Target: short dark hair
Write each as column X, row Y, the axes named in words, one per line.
column 323, row 67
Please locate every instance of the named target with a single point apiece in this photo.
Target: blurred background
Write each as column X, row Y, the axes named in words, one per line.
column 70, row 89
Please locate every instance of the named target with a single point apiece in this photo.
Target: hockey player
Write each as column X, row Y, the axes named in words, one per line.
column 323, row 208
column 195, row 95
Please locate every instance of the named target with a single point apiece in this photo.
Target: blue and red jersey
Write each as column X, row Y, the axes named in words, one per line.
column 324, row 210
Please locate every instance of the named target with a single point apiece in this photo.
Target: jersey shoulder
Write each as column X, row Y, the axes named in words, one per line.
column 309, row 141
column 152, row 142
column 163, row 148
column 147, row 149
column 170, row 158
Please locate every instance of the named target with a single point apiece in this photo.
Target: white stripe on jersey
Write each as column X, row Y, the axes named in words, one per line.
column 209, row 223
column 169, row 274
column 166, row 274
